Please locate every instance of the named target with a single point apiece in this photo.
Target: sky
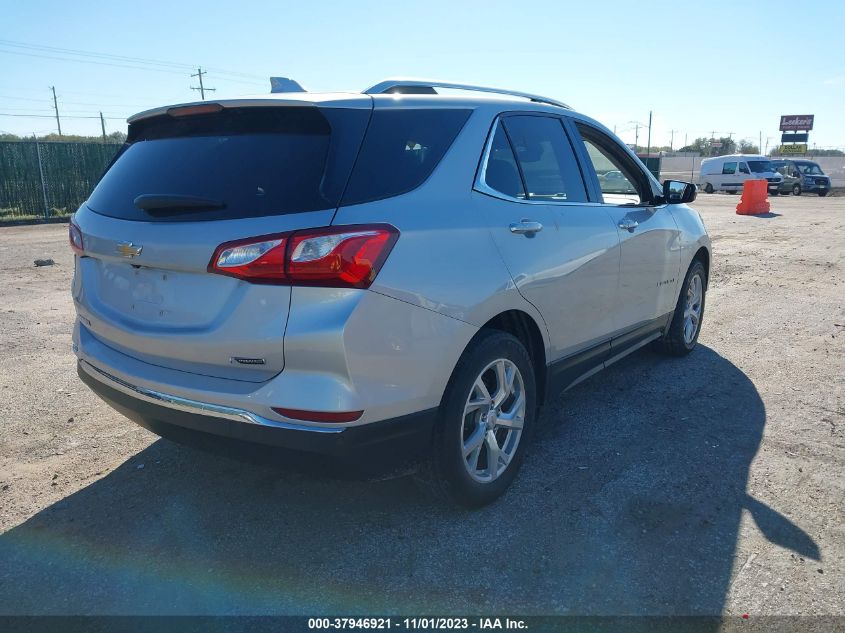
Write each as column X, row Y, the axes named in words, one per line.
column 726, row 67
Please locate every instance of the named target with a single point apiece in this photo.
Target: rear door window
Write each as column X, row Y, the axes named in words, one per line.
column 401, row 149
column 252, row 161
column 546, row 159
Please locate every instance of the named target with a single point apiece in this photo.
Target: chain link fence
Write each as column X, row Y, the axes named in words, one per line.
column 46, row 180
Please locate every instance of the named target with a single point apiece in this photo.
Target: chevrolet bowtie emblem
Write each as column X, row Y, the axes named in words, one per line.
column 128, row 249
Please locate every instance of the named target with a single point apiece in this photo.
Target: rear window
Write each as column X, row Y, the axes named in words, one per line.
column 252, row 161
column 402, row 148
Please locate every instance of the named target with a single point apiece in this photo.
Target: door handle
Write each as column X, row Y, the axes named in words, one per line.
column 526, row 227
column 628, row 224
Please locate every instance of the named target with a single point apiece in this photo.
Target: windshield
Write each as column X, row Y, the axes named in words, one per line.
column 810, row 168
column 760, row 166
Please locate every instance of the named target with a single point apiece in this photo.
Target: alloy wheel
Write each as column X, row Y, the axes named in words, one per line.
column 493, row 420
column 692, row 310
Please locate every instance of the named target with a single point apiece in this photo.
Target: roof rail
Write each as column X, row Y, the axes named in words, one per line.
column 427, row 86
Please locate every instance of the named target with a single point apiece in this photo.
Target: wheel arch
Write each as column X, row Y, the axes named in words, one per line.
column 703, row 255
column 524, row 327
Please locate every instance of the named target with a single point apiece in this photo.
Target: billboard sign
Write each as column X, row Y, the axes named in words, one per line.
column 794, row 122
column 800, row 148
column 794, row 138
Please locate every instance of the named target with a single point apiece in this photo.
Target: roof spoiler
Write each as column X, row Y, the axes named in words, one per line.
column 283, row 84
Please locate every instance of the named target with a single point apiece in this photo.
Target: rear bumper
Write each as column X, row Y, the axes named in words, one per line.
column 387, row 443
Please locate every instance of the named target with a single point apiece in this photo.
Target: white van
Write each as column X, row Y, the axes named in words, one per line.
column 728, row 173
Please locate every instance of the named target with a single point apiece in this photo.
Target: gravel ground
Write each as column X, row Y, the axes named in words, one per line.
column 708, row 485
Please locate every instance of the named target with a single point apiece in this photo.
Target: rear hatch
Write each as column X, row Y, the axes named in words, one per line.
column 187, row 180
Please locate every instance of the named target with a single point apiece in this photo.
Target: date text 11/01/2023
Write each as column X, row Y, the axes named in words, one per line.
column 424, row 623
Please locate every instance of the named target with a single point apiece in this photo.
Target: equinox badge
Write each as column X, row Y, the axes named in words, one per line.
column 128, row 249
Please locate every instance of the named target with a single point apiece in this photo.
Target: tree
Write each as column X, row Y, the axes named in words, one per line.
column 747, row 147
column 728, row 146
column 699, row 145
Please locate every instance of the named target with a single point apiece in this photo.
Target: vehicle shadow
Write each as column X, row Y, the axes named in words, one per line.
column 630, row 503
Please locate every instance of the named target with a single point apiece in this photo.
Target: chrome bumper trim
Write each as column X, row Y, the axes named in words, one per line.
column 195, row 406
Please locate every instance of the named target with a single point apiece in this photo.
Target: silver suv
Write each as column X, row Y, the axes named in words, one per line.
column 394, row 277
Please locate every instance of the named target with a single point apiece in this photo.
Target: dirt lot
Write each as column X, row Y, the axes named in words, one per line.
column 712, row 484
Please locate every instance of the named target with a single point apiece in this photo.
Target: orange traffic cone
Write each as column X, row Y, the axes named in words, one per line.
column 755, row 198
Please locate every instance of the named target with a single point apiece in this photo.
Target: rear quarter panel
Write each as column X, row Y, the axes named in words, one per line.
column 445, row 259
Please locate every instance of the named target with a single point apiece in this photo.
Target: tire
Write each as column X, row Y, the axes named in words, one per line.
column 796, row 190
column 822, row 194
column 776, row 192
column 676, row 341
column 708, row 188
column 447, row 474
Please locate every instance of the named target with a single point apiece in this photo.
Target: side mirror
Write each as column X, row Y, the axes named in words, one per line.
column 678, row 192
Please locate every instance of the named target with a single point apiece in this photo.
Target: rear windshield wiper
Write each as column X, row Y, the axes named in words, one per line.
column 174, row 202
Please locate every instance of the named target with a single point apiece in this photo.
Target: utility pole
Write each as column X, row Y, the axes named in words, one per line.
column 760, row 141
column 636, row 137
column 648, row 147
column 672, row 140
column 200, row 72
column 730, row 134
column 103, row 125
column 56, row 106
column 712, row 138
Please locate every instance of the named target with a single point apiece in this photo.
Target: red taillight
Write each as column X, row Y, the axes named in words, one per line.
column 319, row 416
column 75, row 238
column 340, row 256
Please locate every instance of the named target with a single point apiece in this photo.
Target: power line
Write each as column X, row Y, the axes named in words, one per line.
column 22, row 98
column 29, row 109
column 65, row 116
column 91, row 61
column 133, row 63
column 86, row 93
column 124, row 58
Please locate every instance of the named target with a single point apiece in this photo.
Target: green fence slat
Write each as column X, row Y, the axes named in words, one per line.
column 70, row 172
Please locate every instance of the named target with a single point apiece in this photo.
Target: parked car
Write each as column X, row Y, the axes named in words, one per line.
column 376, row 276
column 729, row 173
column 800, row 176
